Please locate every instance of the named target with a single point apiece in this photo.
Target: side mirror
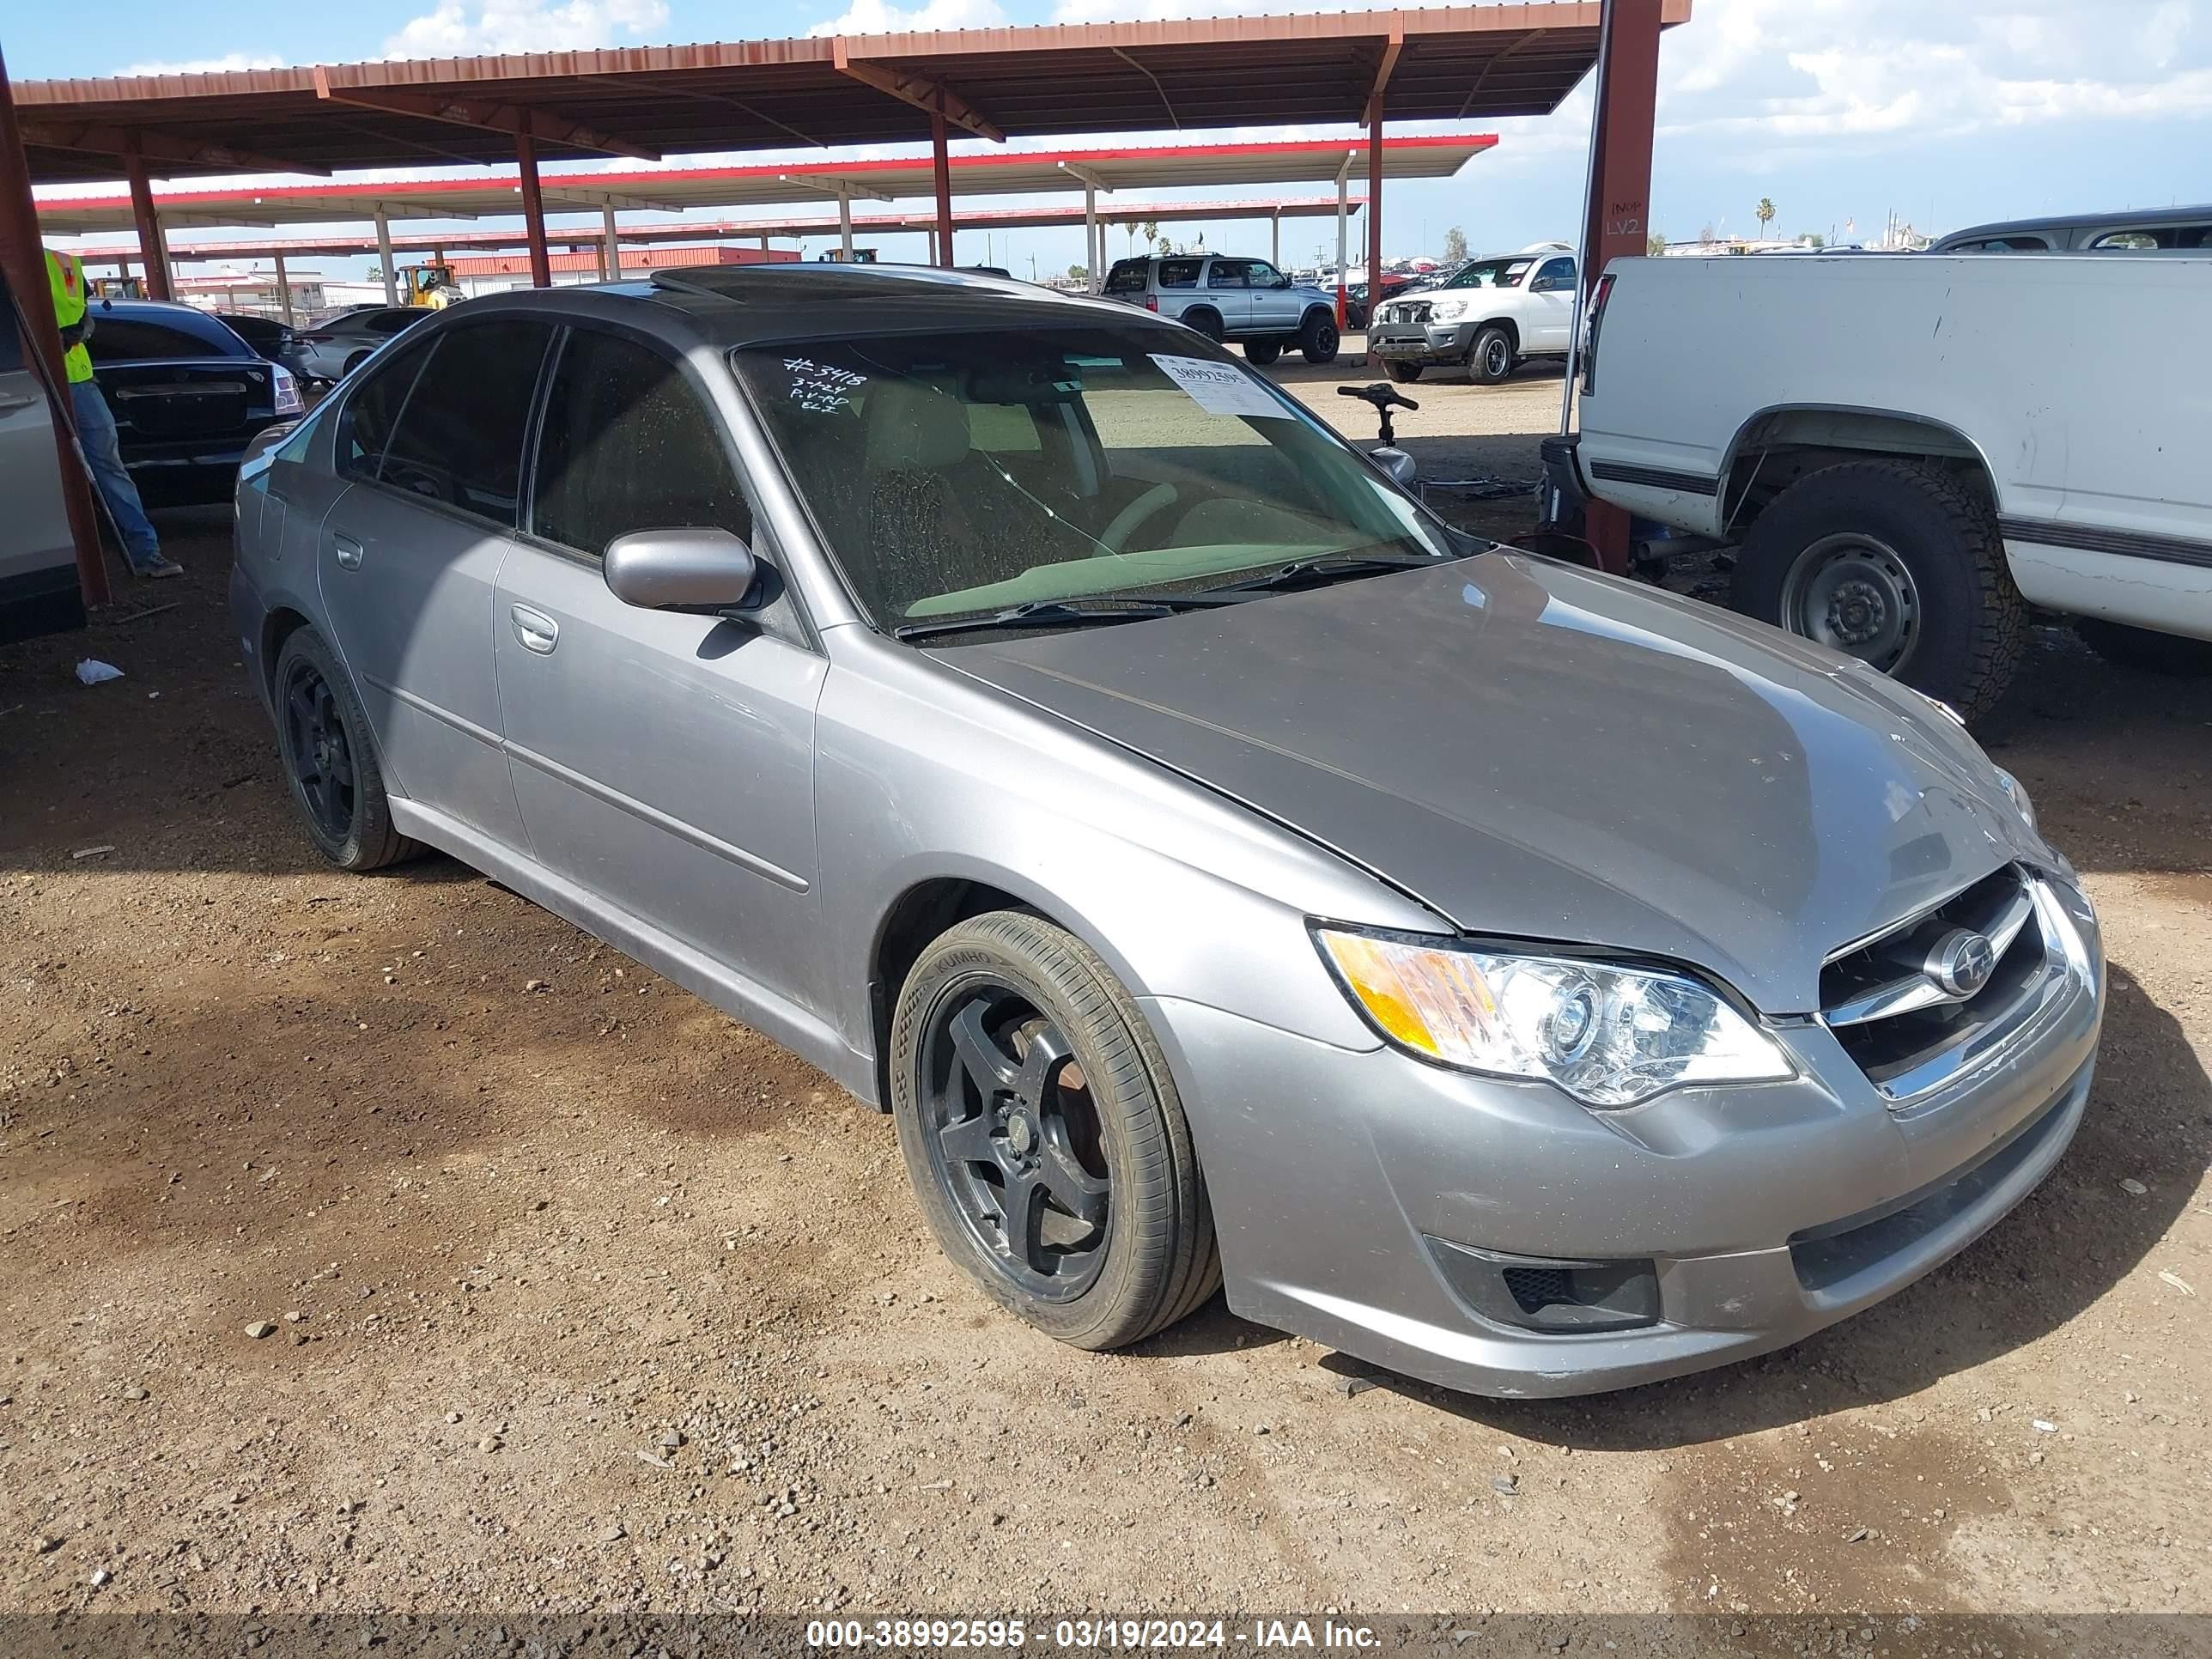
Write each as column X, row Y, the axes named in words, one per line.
column 1396, row 465
column 683, row 570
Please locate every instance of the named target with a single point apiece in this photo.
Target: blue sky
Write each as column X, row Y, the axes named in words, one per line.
column 1841, row 111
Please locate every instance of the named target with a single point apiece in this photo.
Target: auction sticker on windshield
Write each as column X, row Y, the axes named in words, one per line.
column 1220, row 388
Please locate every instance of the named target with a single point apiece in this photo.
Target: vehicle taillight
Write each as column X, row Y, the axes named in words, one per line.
column 1152, row 302
column 288, row 392
column 1596, row 321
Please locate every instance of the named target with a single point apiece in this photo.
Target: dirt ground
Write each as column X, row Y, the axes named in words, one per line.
column 583, row 1297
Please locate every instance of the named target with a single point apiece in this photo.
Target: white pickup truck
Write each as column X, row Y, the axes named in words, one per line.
column 1908, row 451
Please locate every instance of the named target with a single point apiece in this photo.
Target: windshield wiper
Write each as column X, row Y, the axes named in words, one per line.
column 1043, row 613
column 1313, row 573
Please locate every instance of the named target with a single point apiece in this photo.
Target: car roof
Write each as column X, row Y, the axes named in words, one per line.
column 747, row 304
column 185, row 320
column 2119, row 218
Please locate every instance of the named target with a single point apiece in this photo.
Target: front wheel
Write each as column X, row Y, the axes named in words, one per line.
column 1897, row 564
column 1043, row 1135
column 1318, row 340
column 1262, row 352
column 1491, row 359
column 1403, row 372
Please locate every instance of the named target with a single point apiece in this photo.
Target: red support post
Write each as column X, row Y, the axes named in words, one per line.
column 24, row 258
column 1375, row 209
column 1620, row 193
column 153, row 246
column 943, row 161
column 533, row 206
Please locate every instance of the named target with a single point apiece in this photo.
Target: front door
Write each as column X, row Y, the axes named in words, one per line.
column 408, row 556
column 1229, row 291
column 1275, row 303
column 664, row 760
column 1552, row 293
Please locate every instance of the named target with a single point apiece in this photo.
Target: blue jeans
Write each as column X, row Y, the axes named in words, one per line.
column 95, row 430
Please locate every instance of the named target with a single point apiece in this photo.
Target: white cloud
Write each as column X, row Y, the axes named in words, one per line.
column 227, row 64
column 877, row 17
column 499, row 26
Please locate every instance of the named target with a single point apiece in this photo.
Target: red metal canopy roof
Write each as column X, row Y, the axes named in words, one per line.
column 696, row 230
column 1459, row 63
column 671, row 189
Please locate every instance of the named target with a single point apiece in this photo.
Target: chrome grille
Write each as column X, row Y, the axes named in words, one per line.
column 1913, row 1022
column 1409, row 311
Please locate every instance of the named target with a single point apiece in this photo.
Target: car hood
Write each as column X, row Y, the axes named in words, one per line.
column 1537, row 752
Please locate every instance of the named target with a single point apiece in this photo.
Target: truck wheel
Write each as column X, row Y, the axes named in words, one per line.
column 1491, row 359
column 1262, row 352
column 1404, row 373
column 1043, row 1134
column 2144, row 648
column 1318, row 340
column 1901, row 566
column 1207, row 323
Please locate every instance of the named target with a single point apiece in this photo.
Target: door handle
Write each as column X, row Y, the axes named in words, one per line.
column 10, row 405
column 348, row 550
column 538, row 631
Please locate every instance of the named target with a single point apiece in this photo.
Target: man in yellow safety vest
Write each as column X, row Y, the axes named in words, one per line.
column 95, row 422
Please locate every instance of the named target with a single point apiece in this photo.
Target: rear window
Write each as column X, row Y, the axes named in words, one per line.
column 128, row 339
column 1180, row 273
column 1127, row 276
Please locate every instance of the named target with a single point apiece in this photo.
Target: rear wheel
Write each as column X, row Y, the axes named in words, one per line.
column 1207, row 323
column 2144, row 648
column 1899, row 565
column 1043, row 1134
column 355, row 361
column 1318, row 340
column 330, row 760
column 1491, row 358
column 1404, row 373
column 1262, row 352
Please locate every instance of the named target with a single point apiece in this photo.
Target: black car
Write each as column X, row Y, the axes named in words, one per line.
column 188, row 394
column 272, row 339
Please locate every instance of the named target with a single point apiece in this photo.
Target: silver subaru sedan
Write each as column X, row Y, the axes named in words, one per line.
column 1222, row 872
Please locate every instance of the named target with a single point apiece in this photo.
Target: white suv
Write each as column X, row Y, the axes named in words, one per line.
column 1488, row 317
column 1247, row 300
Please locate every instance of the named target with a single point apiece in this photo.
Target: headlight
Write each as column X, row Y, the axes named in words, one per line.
column 1610, row 1037
column 2011, row 785
column 1443, row 311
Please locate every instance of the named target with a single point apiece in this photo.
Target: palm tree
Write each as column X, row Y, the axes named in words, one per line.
column 1150, row 231
column 1764, row 213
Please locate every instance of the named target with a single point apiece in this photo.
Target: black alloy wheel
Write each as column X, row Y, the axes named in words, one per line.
column 318, row 751
column 1018, row 1139
column 330, row 759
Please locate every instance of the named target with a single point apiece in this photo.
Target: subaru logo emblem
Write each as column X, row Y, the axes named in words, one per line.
column 1961, row 963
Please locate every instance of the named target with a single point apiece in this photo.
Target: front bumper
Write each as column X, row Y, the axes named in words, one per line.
column 1423, row 343
column 1762, row 1213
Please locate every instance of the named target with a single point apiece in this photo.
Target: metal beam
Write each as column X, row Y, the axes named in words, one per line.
column 24, row 261
column 518, row 119
column 1087, row 175
column 943, row 170
column 284, row 290
column 158, row 146
column 829, row 185
column 1393, row 44
column 1166, row 103
column 758, row 114
column 1374, row 210
column 612, row 242
column 924, row 94
column 152, row 250
column 383, row 258
column 533, row 204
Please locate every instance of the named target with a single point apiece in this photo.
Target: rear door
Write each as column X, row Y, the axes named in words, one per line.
column 664, row 760
column 38, row 560
column 1229, row 291
column 409, row 556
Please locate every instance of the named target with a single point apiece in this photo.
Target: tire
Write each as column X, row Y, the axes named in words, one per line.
column 1115, row 1141
column 1897, row 564
column 2144, row 648
column 354, row 362
column 1403, row 372
column 1318, row 340
column 1491, row 359
column 1207, row 323
column 1262, row 352
column 349, row 816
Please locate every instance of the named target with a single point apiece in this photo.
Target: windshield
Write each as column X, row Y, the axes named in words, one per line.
column 959, row 474
column 1492, row 273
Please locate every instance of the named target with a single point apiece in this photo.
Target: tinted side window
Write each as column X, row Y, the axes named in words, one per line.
column 1180, row 273
column 2139, row 240
column 372, row 411
column 1228, row 273
column 460, row 440
column 627, row 445
column 392, row 322
column 1263, row 275
column 125, row 339
column 1128, row 276
column 1560, row 273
